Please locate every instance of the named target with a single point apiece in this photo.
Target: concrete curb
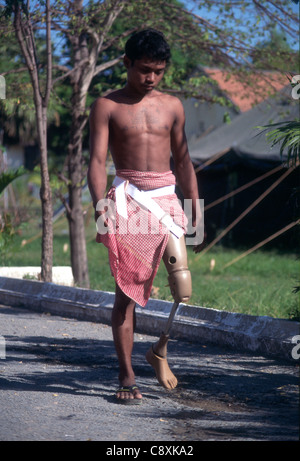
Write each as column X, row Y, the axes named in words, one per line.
column 62, row 275
column 261, row 335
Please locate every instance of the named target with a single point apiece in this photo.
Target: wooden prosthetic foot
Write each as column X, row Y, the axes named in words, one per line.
column 156, row 356
column 159, row 362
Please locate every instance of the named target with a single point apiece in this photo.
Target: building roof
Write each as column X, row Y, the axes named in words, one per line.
column 247, row 90
column 242, row 138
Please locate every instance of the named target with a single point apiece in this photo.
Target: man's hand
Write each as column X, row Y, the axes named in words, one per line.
column 201, row 246
column 98, row 214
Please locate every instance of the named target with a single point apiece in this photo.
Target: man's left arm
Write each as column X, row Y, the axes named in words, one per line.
column 184, row 169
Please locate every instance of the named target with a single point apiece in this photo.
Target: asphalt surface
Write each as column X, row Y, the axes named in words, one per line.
column 59, row 375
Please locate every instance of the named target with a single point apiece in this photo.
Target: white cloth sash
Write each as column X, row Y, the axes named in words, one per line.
column 145, row 198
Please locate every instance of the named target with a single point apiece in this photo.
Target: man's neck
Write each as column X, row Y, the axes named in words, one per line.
column 135, row 96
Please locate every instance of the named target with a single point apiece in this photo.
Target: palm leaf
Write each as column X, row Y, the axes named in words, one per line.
column 6, row 177
column 287, row 134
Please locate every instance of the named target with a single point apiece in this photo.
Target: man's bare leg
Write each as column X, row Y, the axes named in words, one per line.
column 123, row 324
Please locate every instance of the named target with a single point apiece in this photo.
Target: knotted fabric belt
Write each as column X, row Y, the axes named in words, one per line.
column 145, row 198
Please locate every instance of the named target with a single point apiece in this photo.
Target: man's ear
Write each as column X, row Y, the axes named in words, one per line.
column 127, row 62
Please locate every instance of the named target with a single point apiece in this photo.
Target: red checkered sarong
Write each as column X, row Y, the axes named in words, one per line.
column 135, row 255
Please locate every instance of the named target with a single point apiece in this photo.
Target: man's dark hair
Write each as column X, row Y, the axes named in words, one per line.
column 148, row 43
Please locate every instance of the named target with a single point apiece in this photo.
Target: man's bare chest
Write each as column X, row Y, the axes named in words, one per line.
column 151, row 118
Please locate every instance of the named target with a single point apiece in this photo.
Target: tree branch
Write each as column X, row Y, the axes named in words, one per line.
column 28, row 54
column 107, row 65
column 62, row 77
column 274, row 18
column 110, row 18
column 14, row 71
column 49, row 55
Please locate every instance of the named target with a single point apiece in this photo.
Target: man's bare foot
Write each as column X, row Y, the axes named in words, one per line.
column 162, row 370
column 129, row 395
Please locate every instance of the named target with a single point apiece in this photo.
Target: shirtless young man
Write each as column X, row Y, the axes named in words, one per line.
column 140, row 126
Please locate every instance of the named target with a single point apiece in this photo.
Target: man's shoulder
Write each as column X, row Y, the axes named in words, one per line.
column 172, row 102
column 169, row 97
column 105, row 100
column 110, row 100
column 103, row 104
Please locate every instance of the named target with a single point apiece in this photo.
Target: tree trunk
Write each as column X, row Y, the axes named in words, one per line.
column 75, row 162
column 75, row 214
column 25, row 35
column 46, row 199
column 84, row 65
column 77, row 239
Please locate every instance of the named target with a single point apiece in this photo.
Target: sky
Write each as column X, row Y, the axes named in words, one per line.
column 214, row 16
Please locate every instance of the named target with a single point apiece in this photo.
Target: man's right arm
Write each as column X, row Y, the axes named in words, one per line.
column 99, row 133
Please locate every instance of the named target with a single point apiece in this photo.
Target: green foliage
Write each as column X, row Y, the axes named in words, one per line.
column 7, row 229
column 287, row 134
column 6, row 232
column 10, row 7
column 215, row 36
column 275, row 53
column 17, row 111
column 8, row 176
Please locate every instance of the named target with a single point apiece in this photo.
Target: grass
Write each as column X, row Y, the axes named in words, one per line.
column 259, row 284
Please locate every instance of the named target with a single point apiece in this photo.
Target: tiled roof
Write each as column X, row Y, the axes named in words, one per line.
column 247, row 90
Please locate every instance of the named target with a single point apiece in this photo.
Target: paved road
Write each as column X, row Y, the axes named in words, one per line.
column 59, row 375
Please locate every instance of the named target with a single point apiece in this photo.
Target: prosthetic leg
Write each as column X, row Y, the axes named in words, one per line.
column 175, row 259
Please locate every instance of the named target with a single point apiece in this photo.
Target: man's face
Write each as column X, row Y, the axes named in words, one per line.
column 144, row 74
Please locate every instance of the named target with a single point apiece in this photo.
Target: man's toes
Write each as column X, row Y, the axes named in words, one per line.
column 129, row 394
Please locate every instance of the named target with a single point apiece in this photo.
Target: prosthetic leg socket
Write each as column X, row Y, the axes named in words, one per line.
column 175, row 260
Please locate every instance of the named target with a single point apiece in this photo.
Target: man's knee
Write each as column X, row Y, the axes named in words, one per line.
column 175, row 259
column 122, row 301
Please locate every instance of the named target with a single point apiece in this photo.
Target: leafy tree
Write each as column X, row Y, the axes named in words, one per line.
column 93, row 35
column 275, row 52
column 41, row 81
